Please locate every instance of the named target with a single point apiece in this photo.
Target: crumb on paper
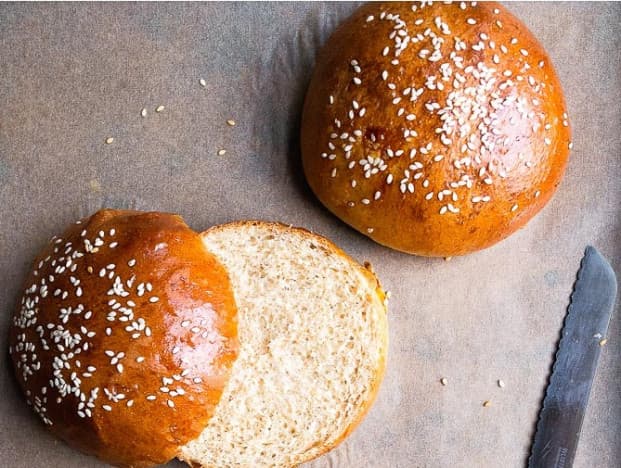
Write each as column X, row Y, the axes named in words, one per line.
column 95, row 185
column 603, row 342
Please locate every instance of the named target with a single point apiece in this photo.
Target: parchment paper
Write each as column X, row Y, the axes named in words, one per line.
column 72, row 75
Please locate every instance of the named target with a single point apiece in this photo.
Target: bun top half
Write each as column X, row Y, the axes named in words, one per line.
column 125, row 336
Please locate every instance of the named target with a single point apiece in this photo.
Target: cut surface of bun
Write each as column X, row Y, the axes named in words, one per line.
column 125, row 336
column 435, row 129
column 313, row 339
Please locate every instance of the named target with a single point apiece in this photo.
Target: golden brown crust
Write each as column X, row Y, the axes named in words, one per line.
column 125, row 336
column 381, row 299
column 498, row 130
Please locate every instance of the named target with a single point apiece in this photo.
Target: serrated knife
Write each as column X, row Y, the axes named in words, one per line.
column 567, row 394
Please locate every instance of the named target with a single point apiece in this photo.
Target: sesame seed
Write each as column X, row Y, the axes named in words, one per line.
column 131, row 263
column 514, row 207
column 170, row 403
column 357, row 81
column 154, row 299
column 151, row 397
column 202, row 82
column 140, row 359
column 221, row 152
column 500, row 383
column 603, row 342
column 487, row 403
column 159, row 108
column 444, row 381
column 537, row 193
column 524, row 52
column 109, row 140
column 230, row 123
column 143, row 112
column 370, row 18
column 197, row 380
column 107, row 407
column 130, row 403
column 471, row 21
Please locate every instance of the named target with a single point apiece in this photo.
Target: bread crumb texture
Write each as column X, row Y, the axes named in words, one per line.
column 313, row 334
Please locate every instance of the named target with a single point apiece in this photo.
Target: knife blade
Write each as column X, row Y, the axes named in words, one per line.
column 567, row 394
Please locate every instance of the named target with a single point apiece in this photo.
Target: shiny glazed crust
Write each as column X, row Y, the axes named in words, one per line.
column 435, row 130
column 125, row 336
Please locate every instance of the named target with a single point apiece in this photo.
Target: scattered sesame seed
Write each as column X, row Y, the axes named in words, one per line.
column 159, row 108
column 471, row 21
column 514, row 207
column 151, row 397
column 143, row 112
column 221, row 152
column 444, row 381
column 500, row 383
column 109, row 140
column 107, row 407
column 202, row 82
column 140, row 359
column 357, row 81
column 487, row 403
column 170, row 403
column 230, row 123
column 603, row 342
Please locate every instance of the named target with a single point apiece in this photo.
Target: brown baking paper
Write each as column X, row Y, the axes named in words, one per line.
column 73, row 75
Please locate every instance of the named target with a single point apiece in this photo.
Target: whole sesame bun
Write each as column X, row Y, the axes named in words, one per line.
column 313, row 339
column 125, row 336
column 436, row 130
